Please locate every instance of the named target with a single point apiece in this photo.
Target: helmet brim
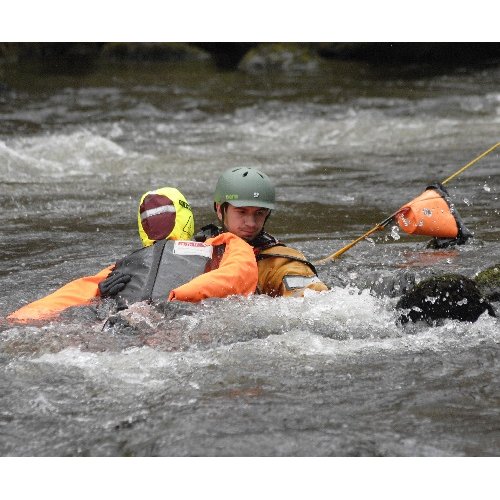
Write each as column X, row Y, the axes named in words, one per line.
column 251, row 203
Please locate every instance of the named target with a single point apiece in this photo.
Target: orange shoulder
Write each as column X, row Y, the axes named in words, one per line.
column 236, row 274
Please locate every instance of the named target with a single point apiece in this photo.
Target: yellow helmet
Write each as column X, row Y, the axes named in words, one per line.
column 164, row 214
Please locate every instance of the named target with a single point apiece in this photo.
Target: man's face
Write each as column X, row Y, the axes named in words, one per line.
column 245, row 222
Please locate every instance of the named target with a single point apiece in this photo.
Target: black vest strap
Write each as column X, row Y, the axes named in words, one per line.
column 208, row 231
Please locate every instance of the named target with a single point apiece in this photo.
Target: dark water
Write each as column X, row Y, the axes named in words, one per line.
column 324, row 375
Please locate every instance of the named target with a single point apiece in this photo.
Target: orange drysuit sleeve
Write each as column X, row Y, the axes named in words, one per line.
column 276, row 269
column 236, row 275
column 78, row 292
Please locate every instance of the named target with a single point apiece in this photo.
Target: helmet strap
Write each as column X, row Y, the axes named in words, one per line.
column 265, row 222
column 223, row 210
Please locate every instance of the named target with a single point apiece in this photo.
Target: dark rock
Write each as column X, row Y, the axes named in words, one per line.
column 166, row 52
column 57, row 57
column 280, row 57
column 488, row 282
column 63, row 51
column 450, row 296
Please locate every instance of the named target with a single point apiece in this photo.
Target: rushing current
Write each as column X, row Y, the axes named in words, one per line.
column 330, row 374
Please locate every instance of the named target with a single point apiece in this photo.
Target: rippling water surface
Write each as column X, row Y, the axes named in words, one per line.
column 329, row 374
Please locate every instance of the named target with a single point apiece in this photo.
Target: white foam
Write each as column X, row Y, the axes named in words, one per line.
column 77, row 153
column 342, row 322
column 135, row 366
column 340, row 313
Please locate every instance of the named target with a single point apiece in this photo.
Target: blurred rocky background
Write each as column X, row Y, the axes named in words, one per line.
column 247, row 57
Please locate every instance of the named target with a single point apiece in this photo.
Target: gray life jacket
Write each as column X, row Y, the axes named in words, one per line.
column 159, row 268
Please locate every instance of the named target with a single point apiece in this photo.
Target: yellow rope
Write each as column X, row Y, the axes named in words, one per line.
column 475, row 160
column 338, row 253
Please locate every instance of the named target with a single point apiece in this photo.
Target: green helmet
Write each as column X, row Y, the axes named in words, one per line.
column 245, row 187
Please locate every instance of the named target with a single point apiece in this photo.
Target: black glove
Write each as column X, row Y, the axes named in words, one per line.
column 113, row 284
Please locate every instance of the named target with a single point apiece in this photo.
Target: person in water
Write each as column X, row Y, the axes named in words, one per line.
column 243, row 200
column 169, row 267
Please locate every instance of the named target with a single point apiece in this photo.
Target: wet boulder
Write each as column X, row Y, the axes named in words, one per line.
column 448, row 296
column 143, row 51
column 279, row 57
column 488, row 282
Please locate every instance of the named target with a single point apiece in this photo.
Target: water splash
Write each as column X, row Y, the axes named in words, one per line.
column 395, row 233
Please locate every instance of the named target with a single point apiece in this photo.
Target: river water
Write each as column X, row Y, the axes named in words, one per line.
column 325, row 375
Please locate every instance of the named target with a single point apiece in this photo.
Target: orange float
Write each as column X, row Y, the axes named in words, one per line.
column 430, row 214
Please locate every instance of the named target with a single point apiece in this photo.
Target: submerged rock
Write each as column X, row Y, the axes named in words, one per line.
column 450, row 296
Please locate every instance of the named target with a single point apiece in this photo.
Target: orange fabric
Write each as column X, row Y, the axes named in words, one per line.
column 428, row 214
column 78, row 292
column 236, row 275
